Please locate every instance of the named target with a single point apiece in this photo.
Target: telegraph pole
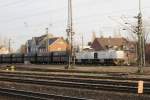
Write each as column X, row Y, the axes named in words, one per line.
column 9, row 45
column 82, row 42
column 70, row 34
column 141, row 42
column 47, row 30
column 47, row 41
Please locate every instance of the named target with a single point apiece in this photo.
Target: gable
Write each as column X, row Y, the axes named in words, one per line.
column 58, row 45
column 52, row 40
column 96, row 45
column 59, row 41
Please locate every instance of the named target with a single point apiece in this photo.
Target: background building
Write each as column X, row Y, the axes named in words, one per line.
column 57, row 44
column 118, row 43
column 109, row 43
column 35, row 43
column 46, row 43
column 3, row 50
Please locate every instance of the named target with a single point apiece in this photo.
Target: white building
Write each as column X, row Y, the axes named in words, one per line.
column 34, row 43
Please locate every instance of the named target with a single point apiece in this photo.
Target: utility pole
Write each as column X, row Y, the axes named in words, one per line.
column 47, row 41
column 70, row 34
column 9, row 45
column 47, row 30
column 140, row 45
column 82, row 42
column 141, row 42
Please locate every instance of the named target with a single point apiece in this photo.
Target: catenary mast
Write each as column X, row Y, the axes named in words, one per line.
column 141, row 41
column 70, row 33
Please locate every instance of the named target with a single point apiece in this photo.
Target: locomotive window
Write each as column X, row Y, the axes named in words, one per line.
column 95, row 55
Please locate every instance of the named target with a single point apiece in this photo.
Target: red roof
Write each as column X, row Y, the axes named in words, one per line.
column 102, row 43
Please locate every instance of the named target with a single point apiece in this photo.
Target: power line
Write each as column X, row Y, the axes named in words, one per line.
column 45, row 12
column 31, row 15
column 11, row 3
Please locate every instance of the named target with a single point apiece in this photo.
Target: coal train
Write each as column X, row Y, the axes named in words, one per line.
column 109, row 57
column 35, row 58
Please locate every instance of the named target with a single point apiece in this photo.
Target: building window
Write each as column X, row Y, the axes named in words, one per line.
column 59, row 49
column 61, row 42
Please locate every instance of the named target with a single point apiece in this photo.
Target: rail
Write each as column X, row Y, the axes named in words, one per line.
column 36, row 95
column 92, row 84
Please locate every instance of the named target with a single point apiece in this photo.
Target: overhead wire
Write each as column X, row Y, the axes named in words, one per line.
column 32, row 15
column 55, row 10
column 11, row 3
column 81, row 17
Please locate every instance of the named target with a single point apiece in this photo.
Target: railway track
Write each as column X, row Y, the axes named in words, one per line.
column 74, row 79
column 56, row 75
column 35, row 95
column 76, row 82
column 38, row 69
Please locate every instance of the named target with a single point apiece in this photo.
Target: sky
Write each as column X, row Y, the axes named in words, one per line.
column 20, row 20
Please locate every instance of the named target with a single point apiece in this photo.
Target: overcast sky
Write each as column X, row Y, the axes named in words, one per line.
column 21, row 20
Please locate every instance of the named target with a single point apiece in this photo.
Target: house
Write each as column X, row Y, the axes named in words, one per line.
column 3, row 50
column 108, row 43
column 57, row 44
column 23, row 49
column 147, row 53
column 116, row 43
column 54, row 44
column 46, row 43
column 84, row 48
column 35, row 43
